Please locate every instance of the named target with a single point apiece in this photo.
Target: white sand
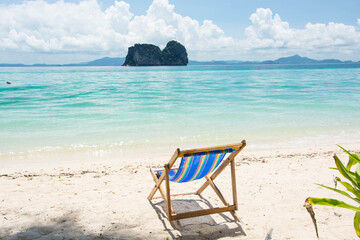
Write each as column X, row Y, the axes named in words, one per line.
column 109, row 200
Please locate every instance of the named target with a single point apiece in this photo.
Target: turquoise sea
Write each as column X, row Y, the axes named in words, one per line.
column 115, row 108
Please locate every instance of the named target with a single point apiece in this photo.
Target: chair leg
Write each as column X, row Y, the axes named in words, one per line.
column 168, row 202
column 217, row 191
column 155, row 188
column 218, row 170
column 162, row 177
column 163, row 194
column 161, row 190
column 233, row 181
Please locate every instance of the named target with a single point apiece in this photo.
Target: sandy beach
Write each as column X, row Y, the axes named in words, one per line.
column 108, row 200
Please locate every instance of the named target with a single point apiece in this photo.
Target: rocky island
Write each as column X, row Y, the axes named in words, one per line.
column 174, row 54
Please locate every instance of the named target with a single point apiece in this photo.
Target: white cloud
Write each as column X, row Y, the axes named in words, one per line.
column 38, row 26
column 330, row 35
column 358, row 21
column 83, row 28
column 161, row 23
column 268, row 33
column 119, row 16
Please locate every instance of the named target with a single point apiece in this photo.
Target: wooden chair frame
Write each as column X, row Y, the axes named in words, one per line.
column 209, row 182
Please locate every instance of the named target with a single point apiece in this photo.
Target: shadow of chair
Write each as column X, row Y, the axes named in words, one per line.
column 201, row 227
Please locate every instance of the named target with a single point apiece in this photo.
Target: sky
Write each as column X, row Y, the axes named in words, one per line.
column 72, row 31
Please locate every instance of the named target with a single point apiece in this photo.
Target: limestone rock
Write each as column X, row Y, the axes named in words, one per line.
column 143, row 55
column 174, row 54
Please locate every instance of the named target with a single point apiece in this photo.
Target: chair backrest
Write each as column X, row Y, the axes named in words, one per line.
column 197, row 165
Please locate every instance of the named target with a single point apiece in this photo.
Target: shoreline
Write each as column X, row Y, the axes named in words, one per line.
column 142, row 154
column 107, row 199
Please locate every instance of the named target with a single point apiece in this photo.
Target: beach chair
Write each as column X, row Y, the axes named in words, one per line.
column 195, row 164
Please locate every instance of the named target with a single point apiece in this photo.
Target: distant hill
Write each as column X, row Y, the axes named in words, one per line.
column 296, row 59
column 107, row 61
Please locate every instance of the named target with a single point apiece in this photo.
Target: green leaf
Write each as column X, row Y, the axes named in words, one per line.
column 357, row 223
column 347, row 174
column 341, row 192
column 332, row 203
column 353, row 158
column 350, row 188
column 357, row 172
column 352, row 162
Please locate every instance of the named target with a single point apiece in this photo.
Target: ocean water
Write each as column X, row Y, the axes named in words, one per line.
column 115, row 108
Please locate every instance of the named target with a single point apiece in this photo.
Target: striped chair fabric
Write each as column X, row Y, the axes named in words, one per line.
column 197, row 165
